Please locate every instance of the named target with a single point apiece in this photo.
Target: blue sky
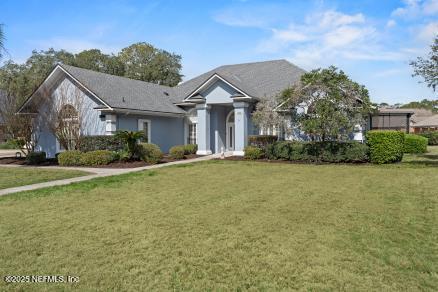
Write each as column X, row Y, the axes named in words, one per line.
column 371, row 40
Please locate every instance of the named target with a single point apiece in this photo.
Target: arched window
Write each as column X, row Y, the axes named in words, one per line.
column 192, row 122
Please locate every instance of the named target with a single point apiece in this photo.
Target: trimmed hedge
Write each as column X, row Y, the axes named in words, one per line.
column 190, row 149
column 432, row 136
column 98, row 157
column 318, row 151
column 92, row 143
column 177, row 152
column 253, row 153
column 415, row 144
column 150, row 153
column 385, row 146
column 261, row 140
column 70, row 158
column 36, row 157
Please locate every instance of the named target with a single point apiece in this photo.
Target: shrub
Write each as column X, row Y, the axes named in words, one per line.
column 432, row 136
column 253, row 153
column 385, row 146
column 10, row 144
column 150, row 153
column 70, row 158
column 92, row 143
column 190, row 149
column 130, row 139
column 177, row 152
column 121, row 155
column 415, row 144
column 261, row 141
column 319, row 151
column 36, row 157
column 97, row 157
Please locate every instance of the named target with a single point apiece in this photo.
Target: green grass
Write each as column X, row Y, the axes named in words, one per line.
column 227, row 225
column 20, row 176
column 427, row 159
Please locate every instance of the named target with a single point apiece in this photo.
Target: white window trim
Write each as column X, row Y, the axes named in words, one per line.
column 140, row 128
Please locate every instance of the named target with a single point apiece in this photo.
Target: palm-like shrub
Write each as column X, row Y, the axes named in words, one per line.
column 130, row 138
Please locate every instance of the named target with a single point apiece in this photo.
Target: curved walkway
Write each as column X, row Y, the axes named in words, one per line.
column 95, row 172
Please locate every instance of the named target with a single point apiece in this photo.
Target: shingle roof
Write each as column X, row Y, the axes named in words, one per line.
column 259, row 79
column 121, row 92
column 429, row 122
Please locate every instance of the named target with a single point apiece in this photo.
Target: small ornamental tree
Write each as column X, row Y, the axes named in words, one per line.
column 428, row 67
column 266, row 117
column 332, row 104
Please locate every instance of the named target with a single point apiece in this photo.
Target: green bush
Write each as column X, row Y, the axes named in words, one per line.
column 261, row 141
column 253, row 153
column 432, row 136
column 177, row 152
column 121, row 155
column 385, row 146
column 10, row 144
column 150, row 153
column 70, row 158
column 36, row 157
column 415, row 144
column 97, row 157
column 108, row 142
column 318, row 151
column 190, row 149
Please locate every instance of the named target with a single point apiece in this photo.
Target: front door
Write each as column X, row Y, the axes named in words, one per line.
column 230, row 137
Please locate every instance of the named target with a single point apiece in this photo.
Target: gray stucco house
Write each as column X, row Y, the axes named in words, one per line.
column 212, row 110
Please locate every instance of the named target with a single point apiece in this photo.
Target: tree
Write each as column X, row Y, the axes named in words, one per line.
column 97, row 61
column 428, row 67
column 65, row 114
column 424, row 104
column 144, row 62
column 2, row 41
column 332, row 104
column 267, row 118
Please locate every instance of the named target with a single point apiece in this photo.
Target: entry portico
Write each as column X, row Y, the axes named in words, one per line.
column 223, row 116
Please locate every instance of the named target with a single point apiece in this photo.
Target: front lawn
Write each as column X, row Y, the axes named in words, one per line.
column 228, row 225
column 20, row 176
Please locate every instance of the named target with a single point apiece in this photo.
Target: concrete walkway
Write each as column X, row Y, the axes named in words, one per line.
column 95, row 173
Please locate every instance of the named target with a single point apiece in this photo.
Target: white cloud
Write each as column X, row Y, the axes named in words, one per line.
column 416, row 8
column 391, row 23
column 389, row 72
column 332, row 18
column 428, row 32
column 346, row 35
column 289, row 35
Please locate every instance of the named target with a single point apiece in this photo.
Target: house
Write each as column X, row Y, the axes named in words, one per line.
column 212, row 110
column 426, row 125
column 391, row 119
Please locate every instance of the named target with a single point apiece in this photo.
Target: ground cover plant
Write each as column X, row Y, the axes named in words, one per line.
column 230, row 225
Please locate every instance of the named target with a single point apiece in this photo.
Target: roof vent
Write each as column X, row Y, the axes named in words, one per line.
column 166, row 93
column 123, row 99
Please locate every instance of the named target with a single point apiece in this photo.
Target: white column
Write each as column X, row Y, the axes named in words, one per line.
column 111, row 126
column 240, row 127
column 203, row 129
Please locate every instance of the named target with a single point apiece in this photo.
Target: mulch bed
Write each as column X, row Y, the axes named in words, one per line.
column 117, row 164
column 241, row 158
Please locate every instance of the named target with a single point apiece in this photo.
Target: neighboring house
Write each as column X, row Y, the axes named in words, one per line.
column 212, row 110
column 391, row 119
column 427, row 124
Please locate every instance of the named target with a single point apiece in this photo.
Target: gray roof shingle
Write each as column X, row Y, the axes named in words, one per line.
column 121, row 92
column 258, row 79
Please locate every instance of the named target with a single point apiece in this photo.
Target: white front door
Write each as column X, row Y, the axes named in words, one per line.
column 230, row 137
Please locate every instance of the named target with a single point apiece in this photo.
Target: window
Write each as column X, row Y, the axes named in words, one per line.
column 68, row 128
column 145, row 127
column 192, row 134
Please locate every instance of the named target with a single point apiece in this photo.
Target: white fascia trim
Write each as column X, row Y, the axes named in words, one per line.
column 83, row 86
column 215, row 75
